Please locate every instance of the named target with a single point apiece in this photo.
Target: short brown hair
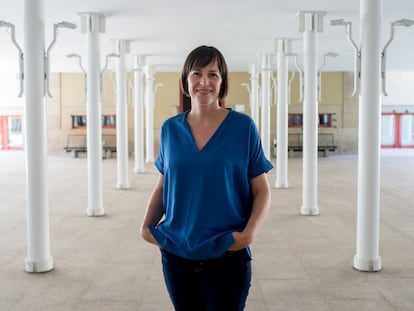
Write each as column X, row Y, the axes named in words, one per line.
column 201, row 57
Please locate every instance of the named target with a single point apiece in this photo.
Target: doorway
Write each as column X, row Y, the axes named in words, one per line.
column 11, row 137
column 397, row 130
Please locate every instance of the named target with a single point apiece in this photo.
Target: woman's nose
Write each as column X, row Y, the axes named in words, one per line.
column 204, row 79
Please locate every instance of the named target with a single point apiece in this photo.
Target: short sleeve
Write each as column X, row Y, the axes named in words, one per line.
column 258, row 164
column 159, row 163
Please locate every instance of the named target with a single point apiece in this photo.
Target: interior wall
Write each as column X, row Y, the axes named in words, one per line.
column 70, row 87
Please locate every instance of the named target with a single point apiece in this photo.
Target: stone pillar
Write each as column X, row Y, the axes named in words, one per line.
column 283, row 47
column 149, row 114
column 369, row 145
column 265, row 117
column 310, row 23
column 93, row 24
column 139, row 115
column 39, row 257
column 122, row 47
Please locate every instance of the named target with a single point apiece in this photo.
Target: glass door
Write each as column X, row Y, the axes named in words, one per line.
column 388, row 131
column 407, row 130
column 11, row 136
column 397, row 130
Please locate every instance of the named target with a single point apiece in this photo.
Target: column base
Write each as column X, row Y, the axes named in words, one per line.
column 139, row 170
column 122, row 186
column 95, row 212
column 373, row 265
column 39, row 266
column 306, row 211
column 281, row 185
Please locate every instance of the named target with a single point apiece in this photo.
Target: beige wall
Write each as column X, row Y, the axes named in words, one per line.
column 69, row 99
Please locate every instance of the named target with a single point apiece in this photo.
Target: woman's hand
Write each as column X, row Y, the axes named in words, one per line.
column 241, row 240
column 147, row 236
column 261, row 203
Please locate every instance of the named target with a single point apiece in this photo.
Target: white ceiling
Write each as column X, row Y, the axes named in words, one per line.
column 166, row 30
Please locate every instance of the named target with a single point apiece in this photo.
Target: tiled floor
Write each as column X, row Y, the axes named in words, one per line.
column 300, row 262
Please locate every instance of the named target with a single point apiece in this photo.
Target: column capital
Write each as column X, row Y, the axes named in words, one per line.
column 93, row 22
column 310, row 21
column 266, row 62
column 122, row 46
column 253, row 71
column 149, row 72
column 283, row 45
column 139, row 60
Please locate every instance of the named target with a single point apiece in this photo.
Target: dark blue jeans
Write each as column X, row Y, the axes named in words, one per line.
column 220, row 284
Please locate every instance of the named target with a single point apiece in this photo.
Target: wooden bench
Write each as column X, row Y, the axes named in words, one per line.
column 108, row 145
column 326, row 143
column 76, row 143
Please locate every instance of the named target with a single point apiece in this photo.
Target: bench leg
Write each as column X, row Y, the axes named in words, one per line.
column 75, row 153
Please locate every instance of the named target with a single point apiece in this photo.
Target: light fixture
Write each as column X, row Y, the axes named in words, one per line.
column 74, row 55
column 157, row 86
column 20, row 51
column 325, row 56
column 107, row 60
column 357, row 54
column 62, row 24
column 79, row 58
column 295, row 57
column 402, row 22
column 247, row 86
column 107, row 57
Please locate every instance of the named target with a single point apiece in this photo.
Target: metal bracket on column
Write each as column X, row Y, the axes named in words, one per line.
column 330, row 54
column 357, row 52
column 401, row 22
column 247, row 86
column 62, row 24
column 266, row 67
column 103, row 71
column 274, row 86
column 295, row 58
column 21, row 55
column 284, row 46
column 73, row 55
column 140, row 63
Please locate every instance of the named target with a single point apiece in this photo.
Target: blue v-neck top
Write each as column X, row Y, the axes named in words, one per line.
column 206, row 192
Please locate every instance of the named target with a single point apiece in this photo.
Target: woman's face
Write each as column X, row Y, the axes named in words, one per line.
column 204, row 84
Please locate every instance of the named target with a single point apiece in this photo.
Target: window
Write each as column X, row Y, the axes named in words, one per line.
column 397, row 130
column 11, row 136
column 296, row 120
column 325, row 119
column 79, row 121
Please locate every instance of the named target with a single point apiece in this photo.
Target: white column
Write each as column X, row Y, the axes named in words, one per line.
column 367, row 254
column 265, row 115
column 139, row 115
column 149, row 114
column 92, row 25
column 38, row 257
column 310, row 23
column 121, row 47
column 282, row 47
column 254, row 94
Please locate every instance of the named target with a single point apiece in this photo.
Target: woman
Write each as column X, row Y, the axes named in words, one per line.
column 212, row 193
